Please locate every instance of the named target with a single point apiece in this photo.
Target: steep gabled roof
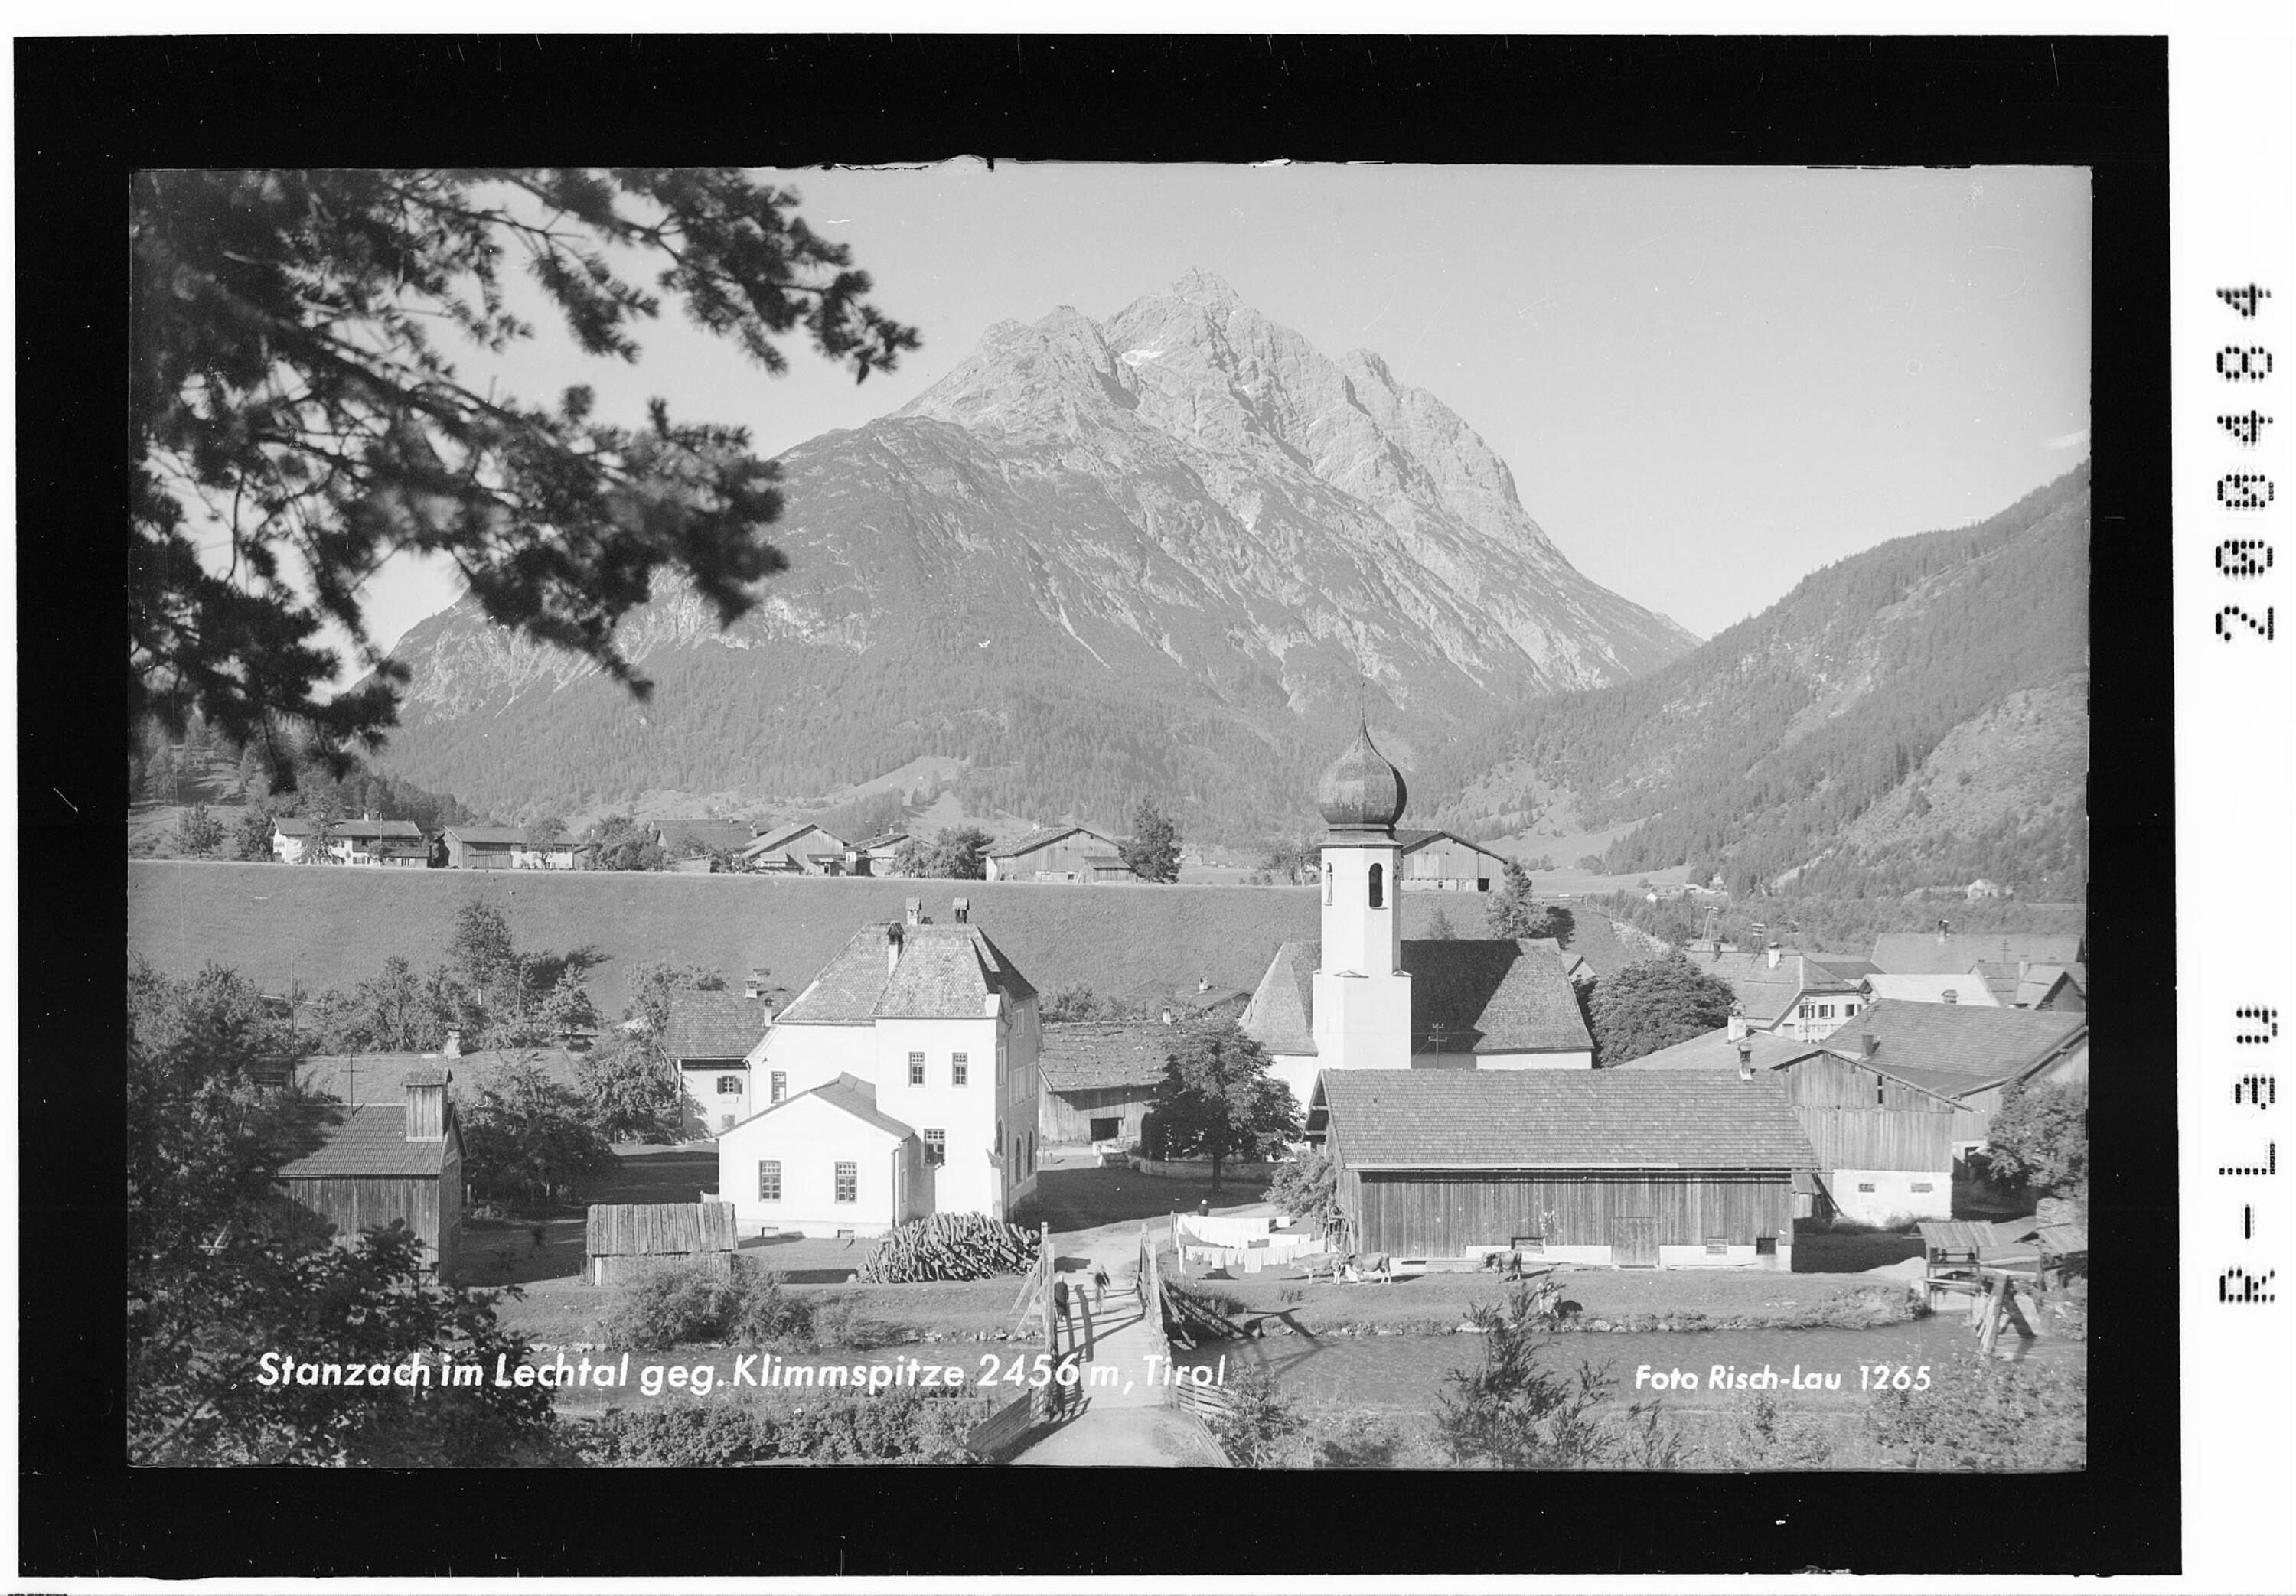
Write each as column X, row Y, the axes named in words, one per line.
column 1507, row 996
column 1095, row 1055
column 2040, row 980
column 883, row 840
column 944, row 972
column 1959, row 1048
column 1280, row 1015
column 1913, row 953
column 1765, row 991
column 368, row 830
column 370, row 1141
column 1490, row 995
column 848, row 1094
column 713, row 1025
column 1560, row 1119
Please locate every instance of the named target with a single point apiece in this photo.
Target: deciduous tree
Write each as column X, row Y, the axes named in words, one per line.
column 2040, row 1138
column 290, row 396
column 525, row 1133
column 1653, row 1004
column 1216, row 1100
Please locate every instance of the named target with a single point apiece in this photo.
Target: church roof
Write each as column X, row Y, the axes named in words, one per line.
column 1362, row 790
column 1488, row 996
column 1280, row 1015
column 944, row 971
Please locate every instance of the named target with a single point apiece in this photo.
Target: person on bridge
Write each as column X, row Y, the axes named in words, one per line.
column 1061, row 1301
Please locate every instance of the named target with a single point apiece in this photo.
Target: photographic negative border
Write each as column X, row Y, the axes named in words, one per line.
column 89, row 111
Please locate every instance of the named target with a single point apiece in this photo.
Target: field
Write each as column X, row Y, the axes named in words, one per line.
column 322, row 926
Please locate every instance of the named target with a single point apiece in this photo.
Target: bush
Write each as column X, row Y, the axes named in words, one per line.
column 1759, row 1434
column 896, row 1426
column 1984, row 1413
column 1308, row 1190
column 675, row 1304
column 1358, row 1441
column 1256, row 1422
column 1153, row 1135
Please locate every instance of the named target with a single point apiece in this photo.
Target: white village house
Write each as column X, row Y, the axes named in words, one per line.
column 915, row 1029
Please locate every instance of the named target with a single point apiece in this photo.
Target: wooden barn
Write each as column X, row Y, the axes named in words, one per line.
column 1598, row 1166
column 1097, row 1080
column 390, row 1161
column 1443, row 862
column 1059, row 854
column 626, row 1240
column 483, row 847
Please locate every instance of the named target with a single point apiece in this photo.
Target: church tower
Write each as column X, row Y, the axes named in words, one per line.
column 1363, row 997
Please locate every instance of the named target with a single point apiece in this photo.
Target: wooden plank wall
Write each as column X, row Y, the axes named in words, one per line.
column 660, row 1228
column 1826, row 1082
column 1440, row 1214
column 1879, row 1138
column 352, row 1204
column 1069, row 1115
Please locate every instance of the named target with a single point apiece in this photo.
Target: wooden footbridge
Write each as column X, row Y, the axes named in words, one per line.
column 2004, row 1270
column 1107, row 1399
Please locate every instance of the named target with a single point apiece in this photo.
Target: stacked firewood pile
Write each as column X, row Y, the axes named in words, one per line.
column 949, row 1246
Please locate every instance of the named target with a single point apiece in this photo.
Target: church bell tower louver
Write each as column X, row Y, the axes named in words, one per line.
column 1363, row 996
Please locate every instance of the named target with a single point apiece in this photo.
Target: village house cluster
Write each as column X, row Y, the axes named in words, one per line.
column 1451, row 1081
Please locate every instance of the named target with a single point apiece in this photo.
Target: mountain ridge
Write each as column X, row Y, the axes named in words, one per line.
column 1164, row 554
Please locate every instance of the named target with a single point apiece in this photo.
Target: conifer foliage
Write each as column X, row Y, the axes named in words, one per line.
column 289, row 393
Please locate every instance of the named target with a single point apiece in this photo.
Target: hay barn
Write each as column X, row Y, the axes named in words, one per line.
column 628, row 1239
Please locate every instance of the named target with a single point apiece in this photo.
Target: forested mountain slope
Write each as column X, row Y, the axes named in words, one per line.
column 1910, row 715
column 1165, row 554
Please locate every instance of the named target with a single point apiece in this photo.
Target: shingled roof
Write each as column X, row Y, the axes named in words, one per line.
column 1765, row 991
column 1560, row 1119
column 1096, row 1056
column 944, row 971
column 1715, row 1051
column 1913, row 953
column 713, row 1025
column 1280, row 1015
column 1928, row 987
column 383, row 1075
column 370, row 1141
column 1033, row 840
column 1489, row 995
column 1957, row 1048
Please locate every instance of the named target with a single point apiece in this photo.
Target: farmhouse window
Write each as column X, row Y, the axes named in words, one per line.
column 1482, row 883
column 1803, row 1014
column 769, row 1180
column 936, row 1149
column 1865, row 1185
column 1718, row 1244
column 729, row 1085
column 1765, row 1247
column 960, row 1072
column 916, row 1069
column 780, row 1084
column 848, row 1182
column 1924, row 1185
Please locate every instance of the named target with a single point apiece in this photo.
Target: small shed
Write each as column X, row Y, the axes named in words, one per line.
column 1097, row 1080
column 627, row 1238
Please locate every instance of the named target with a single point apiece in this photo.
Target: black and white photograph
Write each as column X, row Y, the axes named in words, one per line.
column 1377, row 846
column 1213, row 868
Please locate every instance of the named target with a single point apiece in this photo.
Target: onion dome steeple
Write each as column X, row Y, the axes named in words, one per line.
column 1362, row 791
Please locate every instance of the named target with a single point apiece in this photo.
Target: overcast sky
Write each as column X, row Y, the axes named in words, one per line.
column 1709, row 382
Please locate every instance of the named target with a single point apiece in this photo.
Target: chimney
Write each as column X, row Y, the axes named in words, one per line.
column 754, row 987
column 1872, row 1046
column 1745, row 1059
column 893, row 944
column 1951, row 995
column 1167, row 1013
column 1773, row 955
column 1944, row 930
column 453, row 1048
column 960, row 910
column 1204, row 983
column 912, row 911
column 426, row 1104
